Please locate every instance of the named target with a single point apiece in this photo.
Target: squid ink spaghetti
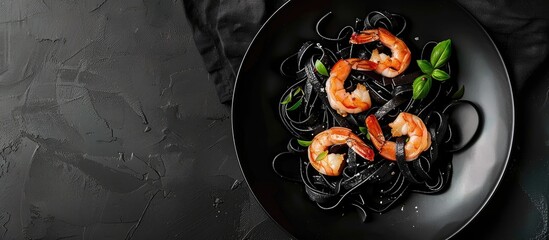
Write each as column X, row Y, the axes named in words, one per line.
column 370, row 117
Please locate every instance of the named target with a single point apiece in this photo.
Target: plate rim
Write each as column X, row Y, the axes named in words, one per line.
column 513, row 122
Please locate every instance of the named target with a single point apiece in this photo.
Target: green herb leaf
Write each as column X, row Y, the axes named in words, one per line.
column 304, row 143
column 421, row 86
column 425, row 66
column 320, row 68
column 321, row 156
column 440, row 75
column 296, row 105
column 297, row 91
column 459, row 93
column 365, row 131
column 441, row 53
column 287, row 100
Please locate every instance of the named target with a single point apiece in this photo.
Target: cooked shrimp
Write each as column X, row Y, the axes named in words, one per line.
column 405, row 124
column 388, row 66
column 331, row 163
column 341, row 100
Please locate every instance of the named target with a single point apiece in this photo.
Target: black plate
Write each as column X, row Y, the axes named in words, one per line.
column 259, row 134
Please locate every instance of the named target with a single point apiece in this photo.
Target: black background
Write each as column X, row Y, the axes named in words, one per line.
column 111, row 126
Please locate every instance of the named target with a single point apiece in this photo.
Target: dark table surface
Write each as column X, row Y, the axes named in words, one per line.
column 111, row 129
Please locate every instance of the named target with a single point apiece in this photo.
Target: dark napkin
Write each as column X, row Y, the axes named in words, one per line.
column 222, row 31
column 520, row 30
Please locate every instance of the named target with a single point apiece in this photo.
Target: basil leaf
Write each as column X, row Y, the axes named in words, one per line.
column 320, row 68
column 363, row 130
column 296, row 105
column 421, row 87
column 440, row 75
column 425, row 66
column 459, row 93
column 321, row 156
column 304, row 143
column 441, row 53
column 287, row 100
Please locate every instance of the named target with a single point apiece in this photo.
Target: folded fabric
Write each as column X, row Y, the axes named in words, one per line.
column 222, row 31
column 520, row 30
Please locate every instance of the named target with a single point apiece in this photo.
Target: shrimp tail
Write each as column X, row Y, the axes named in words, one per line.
column 362, row 64
column 364, row 151
column 363, row 37
column 374, row 129
column 386, row 148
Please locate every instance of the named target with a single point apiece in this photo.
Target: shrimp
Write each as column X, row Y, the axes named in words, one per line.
column 331, row 163
column 404, row 124
column 341, row 100
column 388, row 66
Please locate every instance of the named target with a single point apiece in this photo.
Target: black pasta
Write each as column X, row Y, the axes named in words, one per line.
column 369, row 185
